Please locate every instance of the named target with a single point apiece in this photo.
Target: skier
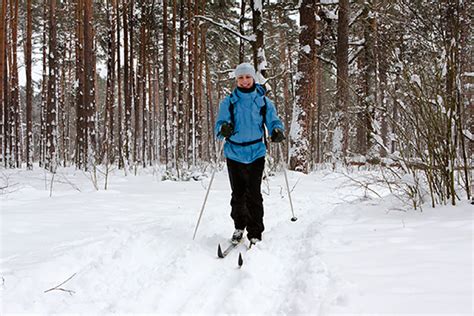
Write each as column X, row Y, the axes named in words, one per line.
column 242, row 115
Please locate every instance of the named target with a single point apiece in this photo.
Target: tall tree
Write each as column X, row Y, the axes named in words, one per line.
column 242, row 31
column 341, row 132
column 366, row 115
column 259, row 59
column 166, row 87
column 181, row 69
column 127, row 30
column 3, row 100
column 190, row 110
column 51, row 108
column 173, row 76
column 80, row 107
column 197, row 70
column 89, row 77
column 29, row 88
column 119, row 89
column 305, row 89
column 108, row 141
column 14, row 85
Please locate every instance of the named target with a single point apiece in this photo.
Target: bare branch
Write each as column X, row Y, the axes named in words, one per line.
column 362, row 184
column 59, row 288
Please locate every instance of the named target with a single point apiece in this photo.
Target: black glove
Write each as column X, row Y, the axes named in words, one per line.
column 277, row 135
column 226, row 129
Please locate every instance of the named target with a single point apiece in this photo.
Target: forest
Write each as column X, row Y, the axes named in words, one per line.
column 130, row 84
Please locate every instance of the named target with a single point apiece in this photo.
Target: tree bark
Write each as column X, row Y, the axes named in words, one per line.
column 190, row 109
column 29, row 87
column 51, row 112
column 181, row 130
column 242, row 31
column 89, row 81
column 259, row 58
column 305, row 91
column 108, row 142
column 166, row 85
column 119, row 90
column 15, row 99
column 174, row 106
column 341, row 133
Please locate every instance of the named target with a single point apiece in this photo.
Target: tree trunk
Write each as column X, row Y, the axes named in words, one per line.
column 259, row 58
column 368, row 84
column 210, row 107
column 190, row 109
column 51, row 112
column 3, row 112
column 166, row 87
column 44, row 86
column 181, row 118
column 174, row 107
column 15, row 100
column 89, row 82
column 3, row 87
column 29, row 87
column 108, row 140
column 242, row 31
column 197, row 147
column 80, row 112
column 119, row 91
column 341, row 133
column 285, row 68
column 305, row 96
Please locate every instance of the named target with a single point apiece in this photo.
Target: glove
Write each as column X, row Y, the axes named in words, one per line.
column 226, row 130
column 277, row 135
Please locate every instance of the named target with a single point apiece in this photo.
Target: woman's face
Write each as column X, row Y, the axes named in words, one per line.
column 245, row 81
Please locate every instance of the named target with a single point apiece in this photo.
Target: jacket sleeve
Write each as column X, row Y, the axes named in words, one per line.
column 272, row 120
column 223, row 116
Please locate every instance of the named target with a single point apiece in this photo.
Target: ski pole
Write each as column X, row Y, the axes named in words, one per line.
column 208, row 189
column 293, row 219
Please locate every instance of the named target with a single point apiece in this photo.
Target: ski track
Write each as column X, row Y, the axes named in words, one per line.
column 154, row 267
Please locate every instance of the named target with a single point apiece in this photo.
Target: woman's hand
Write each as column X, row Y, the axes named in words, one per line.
column 277, row 135
column 226, row 130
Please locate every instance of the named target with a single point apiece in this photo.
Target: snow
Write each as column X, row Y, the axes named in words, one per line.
column 331, row 14
column 36, row 68
column 258, row 6
column 468, row 134
column 129, row 250
column 416, row 79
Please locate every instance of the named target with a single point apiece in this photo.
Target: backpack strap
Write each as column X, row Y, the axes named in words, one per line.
column 231, row 111
column 263, row 112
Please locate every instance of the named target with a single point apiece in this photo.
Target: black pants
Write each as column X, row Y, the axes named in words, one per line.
column 247, row 201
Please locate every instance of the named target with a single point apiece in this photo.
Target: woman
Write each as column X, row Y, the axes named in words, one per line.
column 242, row 115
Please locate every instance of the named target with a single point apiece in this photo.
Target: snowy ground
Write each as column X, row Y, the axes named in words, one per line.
column 129, row 250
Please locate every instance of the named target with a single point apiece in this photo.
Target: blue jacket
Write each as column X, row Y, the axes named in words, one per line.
column 247, row 123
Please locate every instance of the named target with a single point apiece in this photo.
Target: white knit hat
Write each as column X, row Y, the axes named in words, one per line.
column 245, row 69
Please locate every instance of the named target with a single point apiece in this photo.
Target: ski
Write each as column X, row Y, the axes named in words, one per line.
column 223, row 254
column 240, row 261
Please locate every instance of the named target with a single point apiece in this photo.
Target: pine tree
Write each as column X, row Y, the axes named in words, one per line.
column 304, row 104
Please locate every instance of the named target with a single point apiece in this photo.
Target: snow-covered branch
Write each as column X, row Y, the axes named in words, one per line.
column 326, row 60
column 250, row 38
